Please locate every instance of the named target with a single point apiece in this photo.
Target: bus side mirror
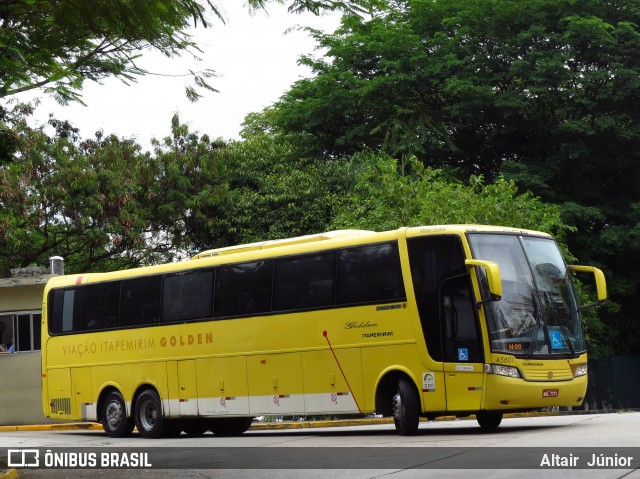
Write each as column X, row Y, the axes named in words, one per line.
column 601, row 283
column 493, row 276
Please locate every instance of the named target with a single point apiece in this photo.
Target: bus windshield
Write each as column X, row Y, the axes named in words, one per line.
column 538, row 314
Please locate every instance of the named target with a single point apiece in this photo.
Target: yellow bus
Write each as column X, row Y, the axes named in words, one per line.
column 417, row 322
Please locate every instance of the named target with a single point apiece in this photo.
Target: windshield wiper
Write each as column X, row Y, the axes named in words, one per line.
column 566, row 337
column 536, row 315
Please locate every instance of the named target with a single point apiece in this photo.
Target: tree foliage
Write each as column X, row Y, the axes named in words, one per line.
column 83, row 198
column 544, row 92
column 389, row 194
column 246, row 191
column 101, row 202
column 471, row 84
column 104, row 204
column 59, row 44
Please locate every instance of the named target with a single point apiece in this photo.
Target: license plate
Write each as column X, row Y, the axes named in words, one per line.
column 550, row 393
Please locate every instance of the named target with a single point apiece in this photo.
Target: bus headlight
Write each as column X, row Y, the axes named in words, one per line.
column 580, row 370
column 500, row 370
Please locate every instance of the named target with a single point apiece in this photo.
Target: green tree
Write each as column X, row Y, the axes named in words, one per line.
column 468, row 84
column 544, row 92
column 389, row 194
column 190, row 187
column 103, row 204
column 58, row 44
column 84, row 199
column 260, row 188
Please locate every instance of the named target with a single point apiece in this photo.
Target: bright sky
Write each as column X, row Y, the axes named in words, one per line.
column 256, row 62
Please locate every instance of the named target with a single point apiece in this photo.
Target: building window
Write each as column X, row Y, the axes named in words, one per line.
column 22, row 330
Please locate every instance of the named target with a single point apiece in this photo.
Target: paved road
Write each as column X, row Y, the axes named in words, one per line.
column 365, row 451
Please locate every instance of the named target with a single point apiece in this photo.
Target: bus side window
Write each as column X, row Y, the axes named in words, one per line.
column 64, row 312
column 100, row 305
column 304, row 282
column 370, row 274
column 243, row 289
column 140, row 301
column 188, row 296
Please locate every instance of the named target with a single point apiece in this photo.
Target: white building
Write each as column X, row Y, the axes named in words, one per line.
column 20, row 323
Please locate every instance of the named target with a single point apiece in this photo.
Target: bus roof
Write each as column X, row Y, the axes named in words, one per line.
column 338, row 238
column 282, row 242
column 472, row 228
column 345, row 234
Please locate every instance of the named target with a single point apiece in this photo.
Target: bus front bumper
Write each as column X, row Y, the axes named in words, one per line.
column 505, row 393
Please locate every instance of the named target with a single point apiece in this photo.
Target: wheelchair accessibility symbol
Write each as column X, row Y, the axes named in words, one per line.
column 463, row 354
column 556, row 339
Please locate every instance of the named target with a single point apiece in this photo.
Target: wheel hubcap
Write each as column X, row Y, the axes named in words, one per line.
column 149, row 415
column 114, row 414
column 397, row 407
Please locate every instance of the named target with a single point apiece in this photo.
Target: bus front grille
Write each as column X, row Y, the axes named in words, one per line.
column 559, row 374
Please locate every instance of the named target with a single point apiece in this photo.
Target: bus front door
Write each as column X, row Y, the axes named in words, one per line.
column 462, row 346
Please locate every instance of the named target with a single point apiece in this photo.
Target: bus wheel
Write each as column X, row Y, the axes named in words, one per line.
column 230, row 426
column 489, row 419
column 114, row 416
column 149, row 419
column 195, row 428
column 406, row 408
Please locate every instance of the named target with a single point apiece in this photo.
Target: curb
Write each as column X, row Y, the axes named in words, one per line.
column 52, row 427
column 9, row 474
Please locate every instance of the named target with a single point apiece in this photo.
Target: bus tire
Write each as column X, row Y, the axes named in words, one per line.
column 149, row 418
column 489, row 419
column 230, row 426
column 114, row 416
column 406, row 408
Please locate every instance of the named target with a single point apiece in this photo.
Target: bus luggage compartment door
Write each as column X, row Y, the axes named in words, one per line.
column 188, row 388
column 83, row 393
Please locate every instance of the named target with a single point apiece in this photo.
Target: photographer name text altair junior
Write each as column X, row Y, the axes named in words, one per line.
column 596, row 460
